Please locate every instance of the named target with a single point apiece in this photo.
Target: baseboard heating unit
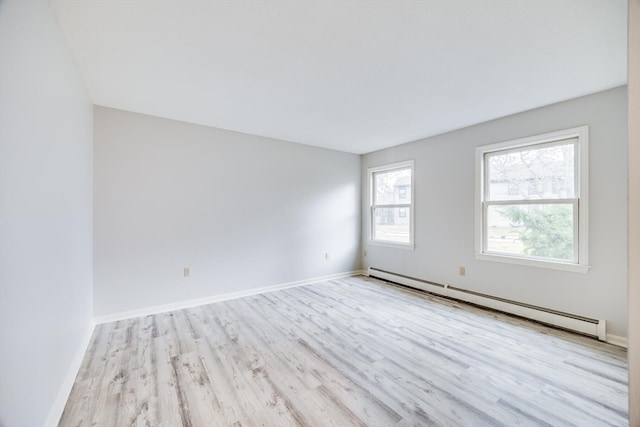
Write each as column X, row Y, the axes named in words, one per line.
column 572, row 322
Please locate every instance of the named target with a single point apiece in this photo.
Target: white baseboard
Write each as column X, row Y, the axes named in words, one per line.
column 216, row 298
column 617, row 340
column 67, row 384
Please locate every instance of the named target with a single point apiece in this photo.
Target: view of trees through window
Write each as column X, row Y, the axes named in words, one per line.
column 530, row 201
column 392, row 205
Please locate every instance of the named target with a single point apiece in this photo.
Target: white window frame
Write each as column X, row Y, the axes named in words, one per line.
column 410, row 206
column 580, row 202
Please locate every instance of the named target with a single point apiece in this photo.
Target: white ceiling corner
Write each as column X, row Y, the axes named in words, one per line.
column 355, row 76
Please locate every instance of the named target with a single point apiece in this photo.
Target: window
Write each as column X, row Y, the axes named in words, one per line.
column 391, row 197
column 531, row 200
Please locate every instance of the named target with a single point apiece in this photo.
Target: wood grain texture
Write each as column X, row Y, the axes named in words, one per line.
column 350, row 352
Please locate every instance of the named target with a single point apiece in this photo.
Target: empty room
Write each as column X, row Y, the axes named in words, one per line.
column 319, row 213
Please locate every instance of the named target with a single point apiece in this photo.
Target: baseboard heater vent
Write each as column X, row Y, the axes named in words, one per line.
column 581, row 324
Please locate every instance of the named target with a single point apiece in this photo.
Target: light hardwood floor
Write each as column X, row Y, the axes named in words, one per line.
column 354, row 351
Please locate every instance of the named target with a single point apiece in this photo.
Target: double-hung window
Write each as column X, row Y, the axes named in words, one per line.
column 532, row 200
column 391, row 211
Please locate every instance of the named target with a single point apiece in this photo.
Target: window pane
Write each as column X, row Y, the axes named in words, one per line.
column 544, row 171
column 392, row 187
column 544, row 230
column 390, row 225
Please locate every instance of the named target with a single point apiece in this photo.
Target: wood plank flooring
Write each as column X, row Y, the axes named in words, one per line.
column 350, row 352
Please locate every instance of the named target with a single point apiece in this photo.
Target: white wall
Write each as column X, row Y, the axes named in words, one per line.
column 241, row 211
column 634, row 210
column 444, row 205
column 45, row 212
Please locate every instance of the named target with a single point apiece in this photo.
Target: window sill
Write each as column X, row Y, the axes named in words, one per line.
column 409, row 246
column 553, row 265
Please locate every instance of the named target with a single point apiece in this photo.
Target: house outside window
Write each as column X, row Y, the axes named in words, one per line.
column 532, row 200
column 402, row 192
column 391, row 204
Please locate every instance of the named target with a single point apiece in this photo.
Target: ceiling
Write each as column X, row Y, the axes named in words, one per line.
column 355, row 76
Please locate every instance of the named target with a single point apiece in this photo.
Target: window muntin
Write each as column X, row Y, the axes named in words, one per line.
column 532, row 202
column 391, row 204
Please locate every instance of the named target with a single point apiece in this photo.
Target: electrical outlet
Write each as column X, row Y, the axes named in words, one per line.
column 364, row 253
column 186, row 272
column 326, row 255
column 462, row 271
